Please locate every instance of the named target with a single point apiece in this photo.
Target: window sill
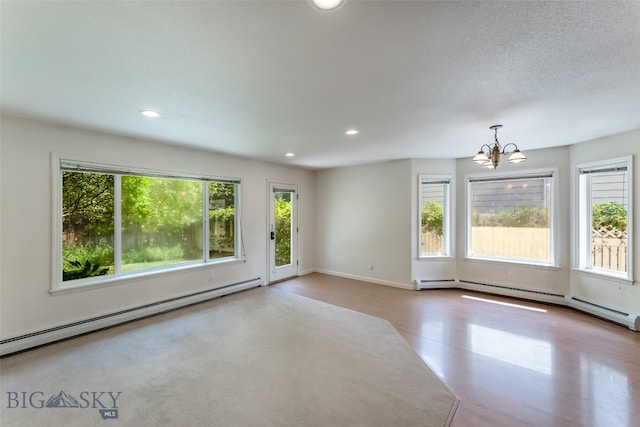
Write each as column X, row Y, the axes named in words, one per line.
column 604, row 275
column 436, row 258
column 529, row 264
column 107, row 281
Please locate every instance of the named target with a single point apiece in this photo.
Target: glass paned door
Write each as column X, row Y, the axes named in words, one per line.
column 282, row 232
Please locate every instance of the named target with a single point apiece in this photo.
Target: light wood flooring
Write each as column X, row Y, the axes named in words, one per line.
column 524, row 364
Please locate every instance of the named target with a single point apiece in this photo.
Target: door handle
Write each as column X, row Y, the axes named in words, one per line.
column 273, row 235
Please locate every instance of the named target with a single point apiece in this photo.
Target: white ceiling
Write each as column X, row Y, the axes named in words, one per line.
column 419, row 79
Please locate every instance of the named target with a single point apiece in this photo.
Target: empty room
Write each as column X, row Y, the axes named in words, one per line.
column 319, row 213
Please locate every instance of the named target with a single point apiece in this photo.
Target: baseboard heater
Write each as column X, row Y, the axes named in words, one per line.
column 436, row 284
column 492, row 289
column 511, row 291
column 50, row 335
column 630, row 320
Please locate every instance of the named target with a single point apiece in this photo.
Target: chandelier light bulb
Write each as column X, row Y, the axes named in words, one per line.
column 327, row 4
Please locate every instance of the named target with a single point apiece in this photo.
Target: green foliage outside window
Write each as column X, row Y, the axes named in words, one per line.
column 87, row 224
column 525, row 216
column 151, row 205
column 221, row 219
column 520, row 216
column 87, row 204
column 610, row 216
column 77, row 270
column 75, row 258
column 283, row 229
column 161, row 221
column 432, row 218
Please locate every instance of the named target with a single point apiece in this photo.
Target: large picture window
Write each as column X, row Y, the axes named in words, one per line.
column 510, row 217
column 435, row 216
column 120, row 222
column 604, row 190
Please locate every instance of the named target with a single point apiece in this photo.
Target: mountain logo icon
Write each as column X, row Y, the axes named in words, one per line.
column 62, row 400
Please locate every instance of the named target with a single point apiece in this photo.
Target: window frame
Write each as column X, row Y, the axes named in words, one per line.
column 448, row 216
column 60, row 164
column 583, row 223
column 553, row 214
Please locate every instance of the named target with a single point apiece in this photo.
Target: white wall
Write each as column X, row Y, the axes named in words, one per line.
column 535, row 278
column 597, row 289
column 364, row 218
column 26, row 222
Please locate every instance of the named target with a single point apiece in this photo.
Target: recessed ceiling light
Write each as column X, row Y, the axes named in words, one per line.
column 351, row 132
column 290, row 155
column 150, row 113
column 327, row 4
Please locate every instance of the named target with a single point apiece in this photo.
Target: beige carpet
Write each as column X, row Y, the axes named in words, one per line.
column 258, row 358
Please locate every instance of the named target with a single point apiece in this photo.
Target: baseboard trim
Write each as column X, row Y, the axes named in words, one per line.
column 62, row 332
column 367, row 279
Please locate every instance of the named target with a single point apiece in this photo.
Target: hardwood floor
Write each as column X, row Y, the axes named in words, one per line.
column 523, row 364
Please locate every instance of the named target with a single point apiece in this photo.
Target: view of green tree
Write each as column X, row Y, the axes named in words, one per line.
column 525, row 216
column 432, row 218
column 609, row 215
column 134, row 196
column 87, row 205
column 161, row 221
column 283, row 228
column 87, row 224
column 154, row 204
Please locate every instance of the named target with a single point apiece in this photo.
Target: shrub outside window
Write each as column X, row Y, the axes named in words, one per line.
column 511, row 216
column 87, row 225
column 604, row 237
column 115, row 223
column 435, row 224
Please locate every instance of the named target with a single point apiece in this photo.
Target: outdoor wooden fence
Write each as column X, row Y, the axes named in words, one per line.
column 512, row 242
column 609, row 249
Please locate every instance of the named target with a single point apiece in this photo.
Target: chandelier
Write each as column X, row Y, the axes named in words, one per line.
column 489, row 156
